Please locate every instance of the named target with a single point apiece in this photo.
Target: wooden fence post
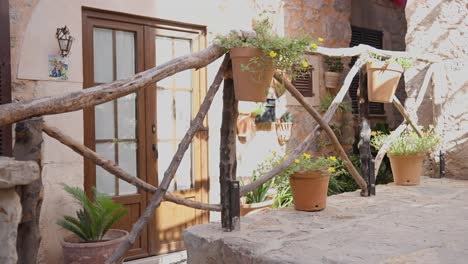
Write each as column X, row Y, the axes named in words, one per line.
column 228, row 164
column 28, row 146
column 365, row 134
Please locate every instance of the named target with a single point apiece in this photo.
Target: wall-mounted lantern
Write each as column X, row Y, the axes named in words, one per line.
column 65, row 40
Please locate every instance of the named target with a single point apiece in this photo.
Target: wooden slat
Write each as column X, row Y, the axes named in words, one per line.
column 5, row 76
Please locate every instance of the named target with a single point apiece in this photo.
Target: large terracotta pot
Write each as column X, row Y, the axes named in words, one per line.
column 76, row 252
column 407, row 169
column 251, row 85
column 382, row 80
column 248, row 209
column 332, row 79
column 309, row 190
column 283, row 132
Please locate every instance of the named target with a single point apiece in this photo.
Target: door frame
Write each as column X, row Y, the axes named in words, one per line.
column 121, row 19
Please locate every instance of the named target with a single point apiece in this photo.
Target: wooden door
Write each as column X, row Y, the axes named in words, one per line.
column 173, row 102
column 112, row 51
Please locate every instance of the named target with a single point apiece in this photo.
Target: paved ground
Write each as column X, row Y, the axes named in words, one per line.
column 420, row 224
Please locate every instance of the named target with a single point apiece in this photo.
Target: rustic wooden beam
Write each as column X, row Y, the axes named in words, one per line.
column 156, row 199
column 28, row 146
column 14, row 112
column 324, row 125
column 403, row 112
column 365, row 132
column 312, row 137
column 117, row 171
column 228, row 161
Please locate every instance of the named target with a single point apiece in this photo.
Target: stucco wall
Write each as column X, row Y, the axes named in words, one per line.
column 33, row 25
column 439, row 29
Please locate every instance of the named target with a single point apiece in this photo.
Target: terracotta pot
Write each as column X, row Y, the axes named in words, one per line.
column 251, row 85
column 76, row 252
column 382, row 81
column 309, row 190
column 407, row 169
column 332, row 79
column 283, row 132
column 248, row 209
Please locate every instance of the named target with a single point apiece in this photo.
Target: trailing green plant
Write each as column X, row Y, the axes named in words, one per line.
column 286, row 53
column 287, row 117
column 261, row 193
column 404, row 62
column 326, row 101
column 94, row 218
column 407, row 142
column 334, row 64
column 259, row 109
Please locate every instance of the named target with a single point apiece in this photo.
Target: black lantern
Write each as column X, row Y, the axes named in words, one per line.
column 64, row 40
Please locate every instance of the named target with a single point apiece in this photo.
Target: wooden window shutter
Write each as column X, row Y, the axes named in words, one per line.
column 5, row 76
column 372, row 38
column 304, row 83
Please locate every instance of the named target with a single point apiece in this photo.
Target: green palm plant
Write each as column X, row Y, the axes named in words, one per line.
column 94, row 218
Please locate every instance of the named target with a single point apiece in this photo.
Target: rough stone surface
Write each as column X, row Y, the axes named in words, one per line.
column 13, row 172
column 415, row 224
column 439, row 29
column 10, row 216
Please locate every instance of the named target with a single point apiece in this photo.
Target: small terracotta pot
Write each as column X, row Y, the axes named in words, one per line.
column 76, row 252
column 309, row 190
column 382, row 81
column 332, row 79
column 248, row 209
column 407, row 169
column 251, row 85
column 283, row 132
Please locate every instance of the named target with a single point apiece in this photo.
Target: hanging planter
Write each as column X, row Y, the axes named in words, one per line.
column 284, row 128
column 251, row 84
column 332, row 80
column 333, row 75
column 382, row 80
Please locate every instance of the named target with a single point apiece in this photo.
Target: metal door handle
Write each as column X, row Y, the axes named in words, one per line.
column 154, row 147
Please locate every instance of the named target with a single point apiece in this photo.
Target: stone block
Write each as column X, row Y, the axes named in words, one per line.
column 13, row 172
column 10, row 216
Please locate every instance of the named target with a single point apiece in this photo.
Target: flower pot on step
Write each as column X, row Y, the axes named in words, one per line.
column 248, row 209
column 283, row 132
column 382, row 80
column 251, row 84
column 332, row 79
column 407, row 169
column 77, row 252
column 309, row 190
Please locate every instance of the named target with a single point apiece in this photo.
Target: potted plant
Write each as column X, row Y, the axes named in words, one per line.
column 283, row 128
column 333, row 75
column 92, row 240
column 383, row 76
column 407, row 153
column 309, row 180
column 260, row 197
column 255, row 59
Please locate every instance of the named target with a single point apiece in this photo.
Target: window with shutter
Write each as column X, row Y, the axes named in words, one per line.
column 303, row 83
column 372, row 38
column 5, row 78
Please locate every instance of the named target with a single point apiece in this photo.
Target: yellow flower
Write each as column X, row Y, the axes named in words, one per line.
column 274, row 153
column 391, row 132
column 374, row 133
column 286, row 156
column 426, row 134
column 272, row 54
column 331, row 169
column 313, row 46
column 320, row 39
column 305, row 64
column 307, row 156
column 413, row 134
column 332, row 158
column 297, row 161
column 438, row 138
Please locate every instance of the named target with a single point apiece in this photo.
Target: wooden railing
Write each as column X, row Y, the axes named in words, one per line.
column 230, row 189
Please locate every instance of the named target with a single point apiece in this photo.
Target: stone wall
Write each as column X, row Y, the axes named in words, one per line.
column 439, row 29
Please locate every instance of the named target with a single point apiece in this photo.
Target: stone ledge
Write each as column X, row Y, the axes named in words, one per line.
column 14, row 172
column 420, row 224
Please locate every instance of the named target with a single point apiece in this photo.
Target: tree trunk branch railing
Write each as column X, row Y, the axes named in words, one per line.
column 312, row 137
column 117, row 171
column 156, row 199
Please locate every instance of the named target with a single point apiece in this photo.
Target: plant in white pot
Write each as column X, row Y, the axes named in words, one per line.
column 255, row 59
column 284, row 128
column 92, row 241
column 333, row 74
